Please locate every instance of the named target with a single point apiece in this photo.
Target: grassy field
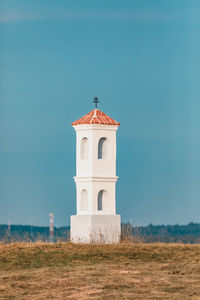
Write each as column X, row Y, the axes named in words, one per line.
column 124, row 271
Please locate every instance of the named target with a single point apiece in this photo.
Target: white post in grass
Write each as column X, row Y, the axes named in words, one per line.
column 51, row 228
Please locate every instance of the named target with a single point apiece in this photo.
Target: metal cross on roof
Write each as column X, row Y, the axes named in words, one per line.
column 96, row 101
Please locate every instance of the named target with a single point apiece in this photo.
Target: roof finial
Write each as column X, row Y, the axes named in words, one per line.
column 96, row 101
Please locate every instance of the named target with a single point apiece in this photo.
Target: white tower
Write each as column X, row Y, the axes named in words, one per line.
column 96, row 219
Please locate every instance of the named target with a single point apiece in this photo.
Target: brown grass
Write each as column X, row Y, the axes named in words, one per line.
column 123, row 271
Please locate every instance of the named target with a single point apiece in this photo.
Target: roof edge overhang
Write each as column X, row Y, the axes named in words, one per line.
column 95, row 127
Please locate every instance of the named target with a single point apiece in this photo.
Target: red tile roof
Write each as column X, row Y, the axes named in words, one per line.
column 96, row 117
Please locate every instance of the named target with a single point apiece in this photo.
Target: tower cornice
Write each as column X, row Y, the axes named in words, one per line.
column 96, row 127
column 96, row 179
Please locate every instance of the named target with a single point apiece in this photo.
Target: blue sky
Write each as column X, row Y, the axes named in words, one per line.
column 142, row 59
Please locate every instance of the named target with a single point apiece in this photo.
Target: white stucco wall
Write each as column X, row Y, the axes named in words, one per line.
column 94, row 175
column 93, row 186
column 94, row 166
column 95, row 229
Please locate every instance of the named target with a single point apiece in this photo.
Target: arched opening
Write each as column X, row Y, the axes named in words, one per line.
column 103, row 148
column 101, row 200
column 84, row 200
column 84, row 148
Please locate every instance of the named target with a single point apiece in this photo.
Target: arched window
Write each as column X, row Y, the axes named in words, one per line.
column 103, row 148
column 84, row 200
column 100, row 200
column 84, row 148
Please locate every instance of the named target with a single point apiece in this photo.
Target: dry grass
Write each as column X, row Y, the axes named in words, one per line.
column 123, row 271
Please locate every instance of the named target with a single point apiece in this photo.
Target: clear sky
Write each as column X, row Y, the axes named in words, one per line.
column 142, row 59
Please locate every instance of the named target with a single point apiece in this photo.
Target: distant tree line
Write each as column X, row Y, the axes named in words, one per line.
column 148, row 234
column 189, row 233
column 28, row 233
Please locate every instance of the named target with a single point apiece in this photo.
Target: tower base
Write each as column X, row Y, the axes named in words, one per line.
column 95, row 229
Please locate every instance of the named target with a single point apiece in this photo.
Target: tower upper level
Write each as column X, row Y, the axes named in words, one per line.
column 95, row 144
